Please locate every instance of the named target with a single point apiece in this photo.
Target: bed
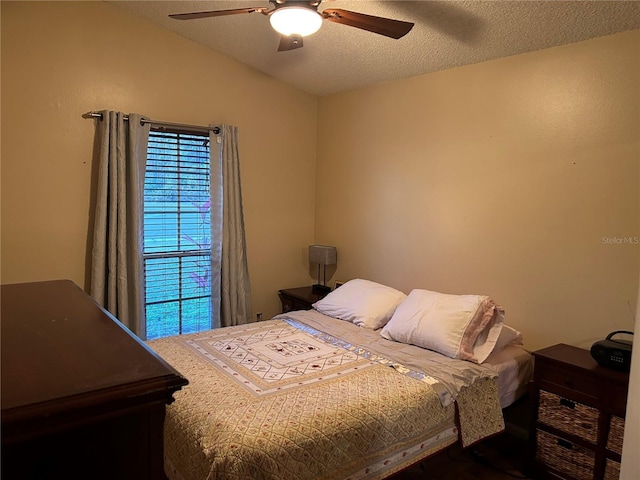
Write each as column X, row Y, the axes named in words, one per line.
column 320, row 395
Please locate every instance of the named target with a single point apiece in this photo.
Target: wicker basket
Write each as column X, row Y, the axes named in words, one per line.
column 612, row 470
column 568, row 416
column 564, row 456
column 616, row 434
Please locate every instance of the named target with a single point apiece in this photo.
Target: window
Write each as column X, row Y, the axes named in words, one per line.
column 177, row 233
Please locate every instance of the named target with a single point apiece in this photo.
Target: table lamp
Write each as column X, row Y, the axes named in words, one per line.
column 323, row 255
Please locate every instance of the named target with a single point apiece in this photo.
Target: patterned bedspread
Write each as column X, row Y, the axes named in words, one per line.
column 282, row 400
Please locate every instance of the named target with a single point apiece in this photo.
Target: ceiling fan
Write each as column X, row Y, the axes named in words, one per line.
column 295, row 19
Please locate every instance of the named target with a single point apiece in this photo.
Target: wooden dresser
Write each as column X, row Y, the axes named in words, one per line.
column 579, row 410
column 82, row 397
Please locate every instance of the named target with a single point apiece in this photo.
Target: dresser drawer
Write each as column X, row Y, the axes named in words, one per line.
column 301, row 298
column 568, row 416
column 288, row 305
column 611, row 470
column 616, row 434
column 617, row 399
column 569, row 381
column 564, row 456
column 293, row 304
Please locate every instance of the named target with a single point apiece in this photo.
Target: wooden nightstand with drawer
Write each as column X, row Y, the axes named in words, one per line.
column 300, row 298
column 578, row 410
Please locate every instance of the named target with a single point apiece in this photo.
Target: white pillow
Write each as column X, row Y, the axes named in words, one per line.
column 458, row 326
column 365, row 303
column 508, row 336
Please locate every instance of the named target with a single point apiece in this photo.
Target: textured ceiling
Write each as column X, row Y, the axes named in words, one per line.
column 446, row 34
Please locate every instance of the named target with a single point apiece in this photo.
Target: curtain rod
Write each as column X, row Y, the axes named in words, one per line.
column 200, row 128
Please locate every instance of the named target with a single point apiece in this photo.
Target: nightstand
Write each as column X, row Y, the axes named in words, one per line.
column 578, row 412
column 300, row 298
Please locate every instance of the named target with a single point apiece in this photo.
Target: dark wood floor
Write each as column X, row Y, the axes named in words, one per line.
column 503, row 457
column 499, row 458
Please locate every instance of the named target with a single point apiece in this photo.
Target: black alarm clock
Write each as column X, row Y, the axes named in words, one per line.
column 615, row 354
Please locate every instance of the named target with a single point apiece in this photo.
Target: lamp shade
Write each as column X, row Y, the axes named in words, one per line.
column 323, row 255
column 301, row 21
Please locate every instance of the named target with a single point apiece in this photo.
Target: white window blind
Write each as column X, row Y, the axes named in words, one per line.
column 177, row 233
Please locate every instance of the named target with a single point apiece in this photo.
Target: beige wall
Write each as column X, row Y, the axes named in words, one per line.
column 504, row 178
column 62, row 59
column 499, row 178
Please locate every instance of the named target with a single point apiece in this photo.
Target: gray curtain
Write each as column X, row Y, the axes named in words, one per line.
column 228, row 245
column 117, row 279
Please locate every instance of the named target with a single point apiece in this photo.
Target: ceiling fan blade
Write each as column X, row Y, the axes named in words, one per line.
column 216, row 13
column 383, row 26
column 290, row 42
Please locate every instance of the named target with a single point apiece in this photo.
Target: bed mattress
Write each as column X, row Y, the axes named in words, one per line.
column 514, row 366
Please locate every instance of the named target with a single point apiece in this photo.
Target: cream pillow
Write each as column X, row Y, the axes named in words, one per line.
column 458, row 326
column 365, row 303
column 508, row 336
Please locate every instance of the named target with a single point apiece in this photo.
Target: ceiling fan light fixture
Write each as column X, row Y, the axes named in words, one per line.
column 301, row 21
